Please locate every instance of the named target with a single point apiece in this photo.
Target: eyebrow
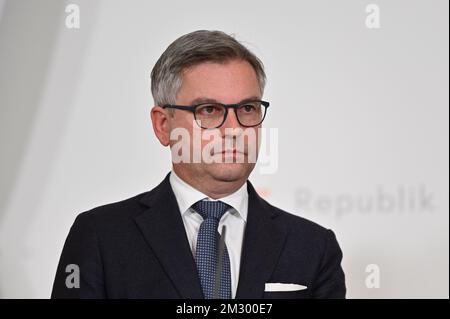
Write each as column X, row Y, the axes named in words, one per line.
column 201, row 100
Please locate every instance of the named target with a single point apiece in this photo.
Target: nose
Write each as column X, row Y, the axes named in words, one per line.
column 231, row 121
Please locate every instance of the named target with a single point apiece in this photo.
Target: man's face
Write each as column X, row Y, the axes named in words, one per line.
column 228, row 83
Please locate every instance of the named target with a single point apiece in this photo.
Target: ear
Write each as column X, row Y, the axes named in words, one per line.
column 160, row 122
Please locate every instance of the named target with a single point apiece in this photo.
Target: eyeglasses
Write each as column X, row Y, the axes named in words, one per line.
column 213, row 115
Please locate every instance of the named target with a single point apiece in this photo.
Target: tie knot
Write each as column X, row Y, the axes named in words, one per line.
column 211, row 209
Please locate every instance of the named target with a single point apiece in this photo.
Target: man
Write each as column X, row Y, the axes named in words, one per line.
column 203, row 232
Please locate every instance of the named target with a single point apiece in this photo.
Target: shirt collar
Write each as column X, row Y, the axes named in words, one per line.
column 187, row 196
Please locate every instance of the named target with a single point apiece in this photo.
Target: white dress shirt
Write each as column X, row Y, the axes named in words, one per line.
column 234, row 220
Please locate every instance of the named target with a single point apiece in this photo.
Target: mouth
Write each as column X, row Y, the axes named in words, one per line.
column 232, row 152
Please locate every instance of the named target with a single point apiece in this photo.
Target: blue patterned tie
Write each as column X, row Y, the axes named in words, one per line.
column 207, row 250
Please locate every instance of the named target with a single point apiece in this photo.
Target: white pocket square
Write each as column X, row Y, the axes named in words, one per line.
column 283, row 287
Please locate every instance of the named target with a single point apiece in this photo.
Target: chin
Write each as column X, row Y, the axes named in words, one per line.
column 230, row 172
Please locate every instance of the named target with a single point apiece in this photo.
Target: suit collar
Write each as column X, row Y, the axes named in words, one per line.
column 186, row 196
column 163, row 229
column 264, row 238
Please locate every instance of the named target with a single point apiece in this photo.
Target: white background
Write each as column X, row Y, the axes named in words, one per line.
column 362, row 115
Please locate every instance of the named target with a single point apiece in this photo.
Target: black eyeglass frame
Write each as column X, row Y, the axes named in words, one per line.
column 193, row 109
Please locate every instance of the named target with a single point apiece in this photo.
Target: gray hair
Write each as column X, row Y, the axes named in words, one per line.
column 192, row 49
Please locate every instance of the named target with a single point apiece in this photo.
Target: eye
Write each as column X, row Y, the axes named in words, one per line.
column 248, row 108
column 210, row 109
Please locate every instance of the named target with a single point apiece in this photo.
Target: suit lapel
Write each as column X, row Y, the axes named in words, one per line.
column 264, row 239
column 163, row 229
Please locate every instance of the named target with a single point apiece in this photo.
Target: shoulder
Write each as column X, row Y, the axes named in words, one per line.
column 301, row 229
column 120, row 215
column 115, row 214
column 294, row 222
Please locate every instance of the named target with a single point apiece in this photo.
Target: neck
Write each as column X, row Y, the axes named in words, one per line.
column 209, row 186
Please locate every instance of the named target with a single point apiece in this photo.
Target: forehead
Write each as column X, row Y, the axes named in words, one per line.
column 227, row 82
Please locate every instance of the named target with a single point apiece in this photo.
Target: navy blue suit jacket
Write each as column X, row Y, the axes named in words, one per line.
column 137, row 248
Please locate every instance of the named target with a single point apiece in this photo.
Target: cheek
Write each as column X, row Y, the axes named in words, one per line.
column 253, row 136
column 182, row 122
column 180, row 129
